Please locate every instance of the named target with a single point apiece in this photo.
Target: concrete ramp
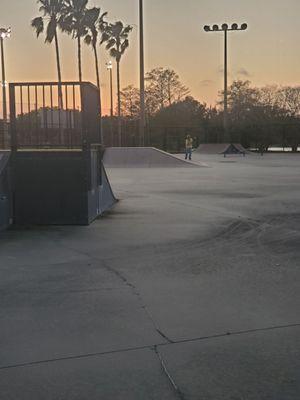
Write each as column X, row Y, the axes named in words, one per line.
column 107, row 198
column 145, row 157
column 5, row 209
column 221, row 148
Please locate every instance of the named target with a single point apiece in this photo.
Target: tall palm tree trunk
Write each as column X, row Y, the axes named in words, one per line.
column 99, row 87
column 97, row 66
column 119, row 105
column 60, row 96
column 79, row 59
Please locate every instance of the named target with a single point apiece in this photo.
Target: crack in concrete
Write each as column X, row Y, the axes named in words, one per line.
column 178, row 391
column 127, row 283
column 139, row 297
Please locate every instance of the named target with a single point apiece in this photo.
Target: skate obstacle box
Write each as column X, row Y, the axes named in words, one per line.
column 56, row 154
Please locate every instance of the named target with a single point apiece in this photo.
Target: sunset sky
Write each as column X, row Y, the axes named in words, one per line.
column 267, row 53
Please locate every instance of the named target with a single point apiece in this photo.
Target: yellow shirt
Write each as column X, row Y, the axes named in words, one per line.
column 189, row 143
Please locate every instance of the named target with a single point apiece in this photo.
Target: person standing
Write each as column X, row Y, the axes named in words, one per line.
column 188, row 147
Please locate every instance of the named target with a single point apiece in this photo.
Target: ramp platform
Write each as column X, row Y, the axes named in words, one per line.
column 57, row 174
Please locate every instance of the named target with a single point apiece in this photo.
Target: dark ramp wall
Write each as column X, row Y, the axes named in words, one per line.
column 59, row 188
column 5, row 199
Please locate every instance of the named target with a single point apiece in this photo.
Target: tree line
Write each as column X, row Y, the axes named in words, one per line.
column 258, row 117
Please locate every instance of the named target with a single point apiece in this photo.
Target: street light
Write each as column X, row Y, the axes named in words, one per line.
column 225, row 28
column 109, row 67
column 4, row 34
column 142, row 76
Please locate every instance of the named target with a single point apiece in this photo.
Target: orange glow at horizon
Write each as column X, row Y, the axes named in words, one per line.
column 174, row 37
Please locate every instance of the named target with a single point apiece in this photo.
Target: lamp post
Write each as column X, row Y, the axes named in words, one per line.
column 109, row 67
column 225, row 28
column 4, row 34
column 142, row 77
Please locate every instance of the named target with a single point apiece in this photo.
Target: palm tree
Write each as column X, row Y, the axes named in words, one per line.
column 49, row 22
column 116, row 36
column 95, row 23
column 74, row 22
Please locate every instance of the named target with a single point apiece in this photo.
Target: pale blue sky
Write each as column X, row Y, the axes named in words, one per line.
column 267, row 53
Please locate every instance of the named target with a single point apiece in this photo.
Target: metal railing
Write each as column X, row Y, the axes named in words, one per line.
column 53, row 115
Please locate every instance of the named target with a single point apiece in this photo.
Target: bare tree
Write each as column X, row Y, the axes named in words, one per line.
column 164, row 86
column 130, row 102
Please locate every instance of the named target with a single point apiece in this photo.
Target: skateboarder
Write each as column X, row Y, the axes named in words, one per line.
column 188, row 147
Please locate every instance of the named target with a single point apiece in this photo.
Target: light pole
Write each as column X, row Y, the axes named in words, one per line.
column 4, row 34
column 109, row 67
column 225, row 28
column 142, row 77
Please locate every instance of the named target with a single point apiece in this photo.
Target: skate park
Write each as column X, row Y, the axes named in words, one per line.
column 149, row 200
column 187, row 287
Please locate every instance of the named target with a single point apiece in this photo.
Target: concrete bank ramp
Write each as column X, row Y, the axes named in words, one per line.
column 147, row 157
column 221, row 148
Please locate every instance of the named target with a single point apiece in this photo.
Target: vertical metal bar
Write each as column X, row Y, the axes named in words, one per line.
column 51, row 106
column 21, row 100
column 83, row 116
column 111, row 94
column 73, row 118
column 45, row 117
column 59, row 116
column 28, row 99
column 21, row 126
column 142, row 78
column 36, row 115
column 29, row 114
column 67, row 116
column 111, row 108
column 225, row 88
column 3, row 82
column 74, row 105
column 66, row 94
column 12, row 111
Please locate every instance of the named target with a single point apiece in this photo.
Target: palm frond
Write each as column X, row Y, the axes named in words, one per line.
column 115, row 54
column 110, row 43
column 88, row 40
column 38, row 24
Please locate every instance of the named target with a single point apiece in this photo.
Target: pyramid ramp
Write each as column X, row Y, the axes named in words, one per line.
column 221, row 148
column 143, row 157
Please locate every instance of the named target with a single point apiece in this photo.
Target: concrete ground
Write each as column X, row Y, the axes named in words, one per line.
column 188, row 289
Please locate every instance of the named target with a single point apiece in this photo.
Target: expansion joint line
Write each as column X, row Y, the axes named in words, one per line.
column 148, row 347
column 179, row 393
